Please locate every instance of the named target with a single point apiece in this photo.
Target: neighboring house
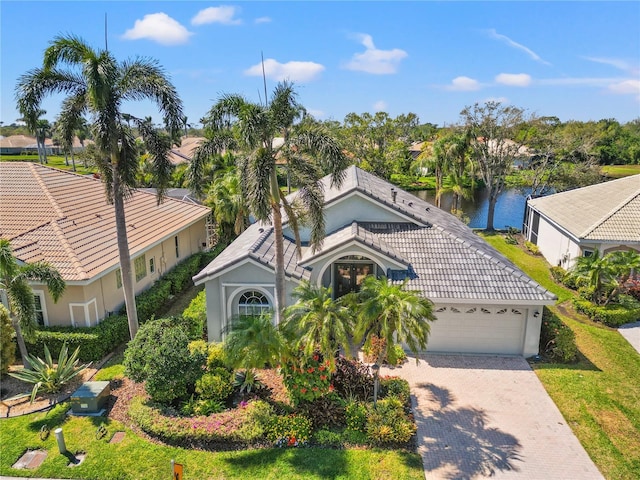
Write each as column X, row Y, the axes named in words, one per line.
column 567, row 225
column 22, row 144
column 184, row 152
column 484, row 304
column 64, row 218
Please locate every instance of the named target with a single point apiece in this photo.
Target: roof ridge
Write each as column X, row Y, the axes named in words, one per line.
column 45, row 190
column 610, row 214
column 68, row 248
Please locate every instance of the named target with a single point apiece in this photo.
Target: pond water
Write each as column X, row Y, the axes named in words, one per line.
column 509, row 207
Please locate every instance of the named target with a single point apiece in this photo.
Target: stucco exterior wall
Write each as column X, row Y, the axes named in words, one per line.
column 556, row 246
column 85, row 305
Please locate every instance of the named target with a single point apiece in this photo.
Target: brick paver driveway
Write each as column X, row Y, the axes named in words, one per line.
column 482, row 417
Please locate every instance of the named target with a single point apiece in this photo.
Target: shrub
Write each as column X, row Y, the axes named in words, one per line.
column 246, row 381
column 289, row 430
column 377, row 346
column 388, row 423
column 159, row 355
column 7, row 347
column 306, row 378
column 352, row 379
column 395, row 387
column 558, row 274
column 611, row 315
column 215, row 386
column 557, row 341
column 195, row 315
column 242, row 425
column 532, row 248
column 356, row 416
column 325, row 411
column 47, row 375
column 94, row 342
column 216, row 356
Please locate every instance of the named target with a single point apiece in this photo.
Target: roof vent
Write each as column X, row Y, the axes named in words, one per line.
column 261, row 230
column 394, row 194
column 411, row 204
column 427, row 209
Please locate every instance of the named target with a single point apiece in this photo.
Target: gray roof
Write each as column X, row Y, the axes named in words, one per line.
column 608, row 211
column 445, row 258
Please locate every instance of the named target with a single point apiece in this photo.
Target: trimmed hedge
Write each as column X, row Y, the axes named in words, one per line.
column 94, row 342
column 611, row 315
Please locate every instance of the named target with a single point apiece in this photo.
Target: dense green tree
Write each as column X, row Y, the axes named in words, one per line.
column 14, row 280
column 7, row 348
column 250, row 128
column 95, row 83
column 493, row 130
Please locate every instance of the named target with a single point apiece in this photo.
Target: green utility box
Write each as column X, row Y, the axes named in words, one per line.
column 91, row 398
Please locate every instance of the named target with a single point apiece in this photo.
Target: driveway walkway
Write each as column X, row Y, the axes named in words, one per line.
column 631, row 331
column 481, row 417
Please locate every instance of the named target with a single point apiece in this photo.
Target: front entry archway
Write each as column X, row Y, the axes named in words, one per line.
column 349, row 272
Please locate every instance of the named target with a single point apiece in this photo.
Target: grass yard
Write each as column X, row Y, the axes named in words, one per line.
column 54, row 162
column 137, row 458
column 599, row 396
column 619, row 171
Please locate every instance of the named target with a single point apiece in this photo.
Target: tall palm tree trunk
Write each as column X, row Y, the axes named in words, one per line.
column 125, row 257
column 279, row 241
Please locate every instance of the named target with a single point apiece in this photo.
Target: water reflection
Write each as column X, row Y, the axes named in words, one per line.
column 509, row 207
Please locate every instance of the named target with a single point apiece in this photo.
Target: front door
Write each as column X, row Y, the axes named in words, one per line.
column 349, row 276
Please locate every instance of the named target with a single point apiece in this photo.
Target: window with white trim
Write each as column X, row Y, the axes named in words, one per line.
column 38, row 299
column 152, row 265
column 119, row 278
column 140, row 265
column 177, row 246
column 253, row 303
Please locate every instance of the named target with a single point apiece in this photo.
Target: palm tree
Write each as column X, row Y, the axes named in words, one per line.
column 596, row 270
column 253, row 341
column 96, row 83
column 40, row 127
column 624, row 265
column 14, row 279
column 229, row 206
column 235, row 123
column 316, row 322
column 396, row 315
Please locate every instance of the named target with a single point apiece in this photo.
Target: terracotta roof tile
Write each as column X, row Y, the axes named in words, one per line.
column 64, row 218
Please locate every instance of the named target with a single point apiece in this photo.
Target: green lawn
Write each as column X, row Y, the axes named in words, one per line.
column 599, row 396
column 136, row 458
column 619, row 171
column 54, row 162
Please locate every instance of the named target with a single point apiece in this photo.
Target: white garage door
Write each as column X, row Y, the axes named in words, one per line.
column 478, row 330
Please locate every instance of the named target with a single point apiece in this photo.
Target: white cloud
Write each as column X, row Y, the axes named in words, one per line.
column 514, row 79
column 262, row 20
column 614, row 62
column 503, row 38
column 293, row 71
column 223, row 14
column 380, row 106
column 464, row 84
column 626, row 87
column 160, row 28
column 373, row 60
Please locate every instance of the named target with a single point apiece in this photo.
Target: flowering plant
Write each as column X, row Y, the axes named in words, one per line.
column 306, row 378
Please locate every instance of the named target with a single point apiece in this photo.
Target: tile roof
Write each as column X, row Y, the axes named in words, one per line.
column 608, row 211
column 64, row 218
column 448, row 260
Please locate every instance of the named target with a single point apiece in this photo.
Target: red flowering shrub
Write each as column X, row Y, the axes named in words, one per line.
column 306, row 378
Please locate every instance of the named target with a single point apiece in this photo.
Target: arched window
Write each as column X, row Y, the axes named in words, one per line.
column 253, row 303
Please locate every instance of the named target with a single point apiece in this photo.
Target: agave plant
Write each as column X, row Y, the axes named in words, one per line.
column 48, row 376
column 247, row 380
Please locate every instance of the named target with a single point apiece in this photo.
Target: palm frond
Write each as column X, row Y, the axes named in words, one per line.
column 44, row 272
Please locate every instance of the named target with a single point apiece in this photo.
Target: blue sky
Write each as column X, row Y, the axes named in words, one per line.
column 574, row 60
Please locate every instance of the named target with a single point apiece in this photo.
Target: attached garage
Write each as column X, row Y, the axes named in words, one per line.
column 499, row 330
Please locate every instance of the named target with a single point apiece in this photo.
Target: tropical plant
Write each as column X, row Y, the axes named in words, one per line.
column 596, row 270
column 229, row 205
column 97, row 84
column 624, row 266
column 253, row 342
column 247, row 381
column 308, row 152
column 50, row 376
column 316, row 322
column 7, row 348
column 388, row 311
column 14, row 279
column 40, row 127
